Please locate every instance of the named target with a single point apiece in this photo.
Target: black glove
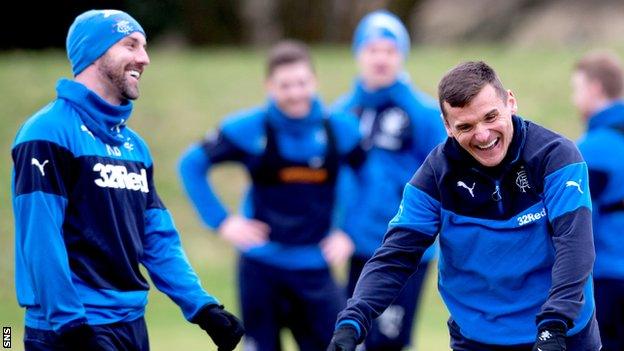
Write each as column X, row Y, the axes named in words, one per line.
column 344, row 339
column 80, row 337
column 551, row 336
column 223, row 327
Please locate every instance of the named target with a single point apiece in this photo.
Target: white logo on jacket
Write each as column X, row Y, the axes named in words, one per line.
column 86, row 130
column 463, row 185
column 36, row 163
column 118, row 177
column 522, row 181
column 531, row 217
column 575, row 184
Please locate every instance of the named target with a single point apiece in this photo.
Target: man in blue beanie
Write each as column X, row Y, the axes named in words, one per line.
column 87, row 212
column 400, row 127
column 598, row 85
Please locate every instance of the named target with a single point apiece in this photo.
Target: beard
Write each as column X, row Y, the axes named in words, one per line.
column 116, row 76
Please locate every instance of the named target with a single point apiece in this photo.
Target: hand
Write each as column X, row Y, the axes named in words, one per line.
column 223, row 327
column 243, row 232
column 80, row 337
column 337, row 247
column 344, row 339
column 551, row 337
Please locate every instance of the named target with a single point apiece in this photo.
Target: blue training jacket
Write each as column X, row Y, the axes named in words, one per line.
column 515, row 240
column 602, row 147
column 87, row 213
column 295, row 210
column 399, row 127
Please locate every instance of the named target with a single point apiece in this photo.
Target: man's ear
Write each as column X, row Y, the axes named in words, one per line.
column 513, row 103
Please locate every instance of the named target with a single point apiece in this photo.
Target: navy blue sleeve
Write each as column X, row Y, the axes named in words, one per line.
column 219, row 148
column 568, row 204
column 410, row 233
column 41, row 181
column 165, row 260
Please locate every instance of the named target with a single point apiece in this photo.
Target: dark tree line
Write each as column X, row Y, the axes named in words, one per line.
column 34, row 25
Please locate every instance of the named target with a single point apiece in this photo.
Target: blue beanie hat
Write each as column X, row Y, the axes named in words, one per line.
column 94, row 32
column 381, row 24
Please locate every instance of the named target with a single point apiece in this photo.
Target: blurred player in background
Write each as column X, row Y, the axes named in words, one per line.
column 597, row 83
column 510, row 202
column 292, row 150
column 87, row 212
column 400, row 126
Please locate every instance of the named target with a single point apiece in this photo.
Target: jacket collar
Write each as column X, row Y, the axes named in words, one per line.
column 106, row 121
column 612, row 115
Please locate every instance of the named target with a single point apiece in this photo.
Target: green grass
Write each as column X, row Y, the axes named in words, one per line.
column 184, row 94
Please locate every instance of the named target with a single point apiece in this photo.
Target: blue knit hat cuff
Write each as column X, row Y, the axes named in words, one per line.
column 94, row 32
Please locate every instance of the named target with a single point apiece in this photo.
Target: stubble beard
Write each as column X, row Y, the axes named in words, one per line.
column 117, row 77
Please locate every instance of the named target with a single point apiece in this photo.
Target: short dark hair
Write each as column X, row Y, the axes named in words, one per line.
column 287, row 52
column 605, row 68
column 462, row 83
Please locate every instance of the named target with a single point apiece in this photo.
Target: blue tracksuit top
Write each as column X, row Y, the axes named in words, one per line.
column 299, row 212
column 515, row 240
column 602, row 146
column 399, row 127
column 87, row 213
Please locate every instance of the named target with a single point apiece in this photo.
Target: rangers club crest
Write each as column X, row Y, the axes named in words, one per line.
column 522, row 181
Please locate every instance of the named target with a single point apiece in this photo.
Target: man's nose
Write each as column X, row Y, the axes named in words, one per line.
column 482, row 133
column 142, row 57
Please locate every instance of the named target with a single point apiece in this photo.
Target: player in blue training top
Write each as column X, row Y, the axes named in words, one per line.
column 87, row 212
column 509, row 202
column 598, row 83
column 400, row 126
column 286, row 234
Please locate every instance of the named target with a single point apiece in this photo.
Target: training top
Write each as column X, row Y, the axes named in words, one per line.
column 87, row 214
column 293, row 164
column 602, row 146
column 399, row 127
column 516, row 245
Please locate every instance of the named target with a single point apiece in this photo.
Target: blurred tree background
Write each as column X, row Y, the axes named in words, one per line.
column 261, row 22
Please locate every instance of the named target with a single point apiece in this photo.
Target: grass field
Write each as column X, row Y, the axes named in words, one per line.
column 186, row 93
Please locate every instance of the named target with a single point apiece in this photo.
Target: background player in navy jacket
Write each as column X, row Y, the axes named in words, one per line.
column 292, row 151
column 597, row 85
column 87, row 212
column 400, row 126
column 510, row 203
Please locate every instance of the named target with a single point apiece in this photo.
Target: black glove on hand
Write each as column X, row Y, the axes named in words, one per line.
column 551, row 337
column 344, row 339
column 223, row 327
column 80, row 337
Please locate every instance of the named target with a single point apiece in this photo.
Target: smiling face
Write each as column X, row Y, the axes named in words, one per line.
column 483, row 127
column 293, row 87
column 379, row 62
column 121, row 67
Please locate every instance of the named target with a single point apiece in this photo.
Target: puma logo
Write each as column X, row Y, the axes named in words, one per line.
column 573, row 183
column 39, row 165
column 463, row 185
